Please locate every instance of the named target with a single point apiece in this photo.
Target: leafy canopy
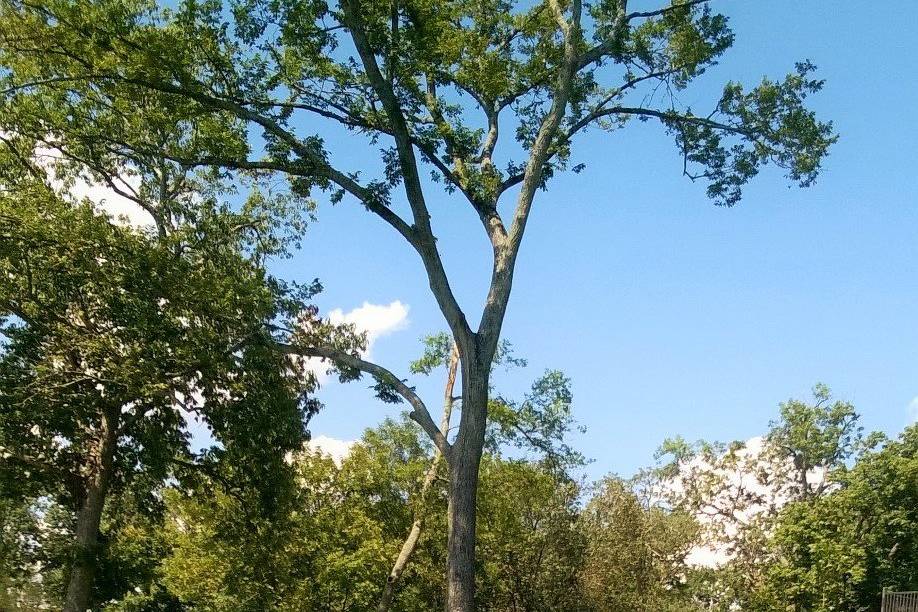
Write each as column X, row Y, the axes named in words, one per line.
column 259, row 86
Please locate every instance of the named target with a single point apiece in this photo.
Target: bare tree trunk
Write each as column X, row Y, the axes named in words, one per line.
column 411, row 542
column 463, row 488
column 89, row 517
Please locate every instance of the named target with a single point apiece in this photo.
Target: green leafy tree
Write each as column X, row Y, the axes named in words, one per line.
column 333, row 545
column 815, row 441
column 35, row 532
column 110, row 332
column 737, row 490
column 840, row 551
column 488, row 97
column 532, row 543
column 636, row 550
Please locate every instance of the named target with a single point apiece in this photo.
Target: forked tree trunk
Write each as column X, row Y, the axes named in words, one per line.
column 463, row 487
column 89, row 517
column 411, row 542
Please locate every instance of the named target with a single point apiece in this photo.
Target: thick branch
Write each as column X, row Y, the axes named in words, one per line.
column 426, row 245
column 504, row 262
column 484, row 206
column 366, row 197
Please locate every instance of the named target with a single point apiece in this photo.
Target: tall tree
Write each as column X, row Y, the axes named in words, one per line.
column 435, row 83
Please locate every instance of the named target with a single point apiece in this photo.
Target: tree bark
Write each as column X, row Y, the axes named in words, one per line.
column 463, row 487
column 89, row 518
column 411, row 542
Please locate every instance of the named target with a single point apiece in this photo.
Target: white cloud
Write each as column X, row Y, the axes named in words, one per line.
column 106, row 198
column 913, row 410
column 333, row 447
column 376, row 320
column 115, row 204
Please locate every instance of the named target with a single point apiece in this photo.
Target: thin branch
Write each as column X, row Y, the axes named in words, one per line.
column 419, row 412
column 410, row 543
column 28, row 164
column 669, row 116
column 665, row 10
column 516, row 179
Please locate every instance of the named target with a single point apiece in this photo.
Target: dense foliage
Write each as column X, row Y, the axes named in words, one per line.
column 483, row 99
column 323, row 533
column 115, row 337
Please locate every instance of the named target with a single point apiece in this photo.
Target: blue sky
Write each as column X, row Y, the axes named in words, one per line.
column 673, row 316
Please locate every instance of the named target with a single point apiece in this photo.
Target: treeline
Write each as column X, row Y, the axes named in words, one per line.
column 814, row 515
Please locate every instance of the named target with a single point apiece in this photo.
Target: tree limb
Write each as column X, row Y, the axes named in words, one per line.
column 663, row 11
column 504, row 262
column 419, row 412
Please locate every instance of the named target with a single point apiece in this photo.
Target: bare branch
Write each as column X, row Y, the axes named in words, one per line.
column 505, row 260
column 419, row 412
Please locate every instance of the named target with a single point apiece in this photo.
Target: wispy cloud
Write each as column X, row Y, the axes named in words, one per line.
column 913, row 410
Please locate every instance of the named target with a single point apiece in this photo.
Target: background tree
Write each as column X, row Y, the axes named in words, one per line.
column 531, row 542
column 332, row 547
column 328, row 549
column 636, row 551
column 737, row 490
column 814, row 442
column 840, row 551
column 35, row 540
column 437, row 84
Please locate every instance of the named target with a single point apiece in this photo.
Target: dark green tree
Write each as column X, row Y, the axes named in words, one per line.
column 111, row 332
column 636, row 551
column 489, row 97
